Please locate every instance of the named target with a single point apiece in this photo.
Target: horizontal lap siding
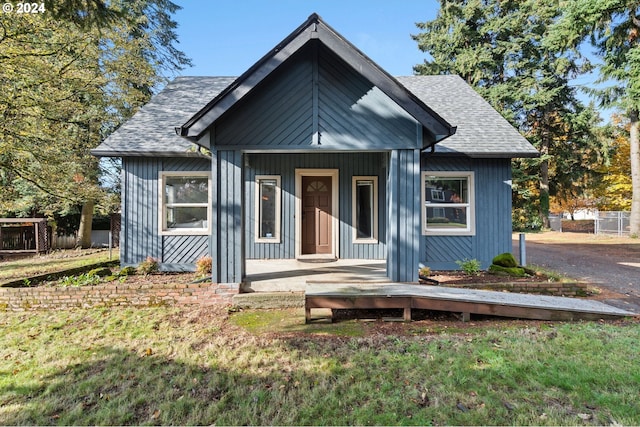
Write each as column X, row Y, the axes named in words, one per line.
column 492, row 209
column 349, row 165
column 140, row 209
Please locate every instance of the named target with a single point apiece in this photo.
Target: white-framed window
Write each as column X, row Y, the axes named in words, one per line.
column 267, row 209
column 365, row 209
column 185, row 205
column 448, row 203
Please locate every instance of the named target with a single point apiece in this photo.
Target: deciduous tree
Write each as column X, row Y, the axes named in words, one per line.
column 66, row 82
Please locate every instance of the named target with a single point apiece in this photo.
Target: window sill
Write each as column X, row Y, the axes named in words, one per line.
column 185, row 232
column 268, row 240
column 448, row 233
column 365, row 241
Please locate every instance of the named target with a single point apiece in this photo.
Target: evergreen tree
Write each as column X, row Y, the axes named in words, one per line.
column 613, row 28
column 497, row 47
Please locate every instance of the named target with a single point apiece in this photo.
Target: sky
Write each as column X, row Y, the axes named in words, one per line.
column 226, row 37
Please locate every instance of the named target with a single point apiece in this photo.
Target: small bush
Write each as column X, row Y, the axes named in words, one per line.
column 149, row 265
column 100, row 272
column 204, row 266
column 505, row 260
column 86, row 279
column 127, row 271
column 471, row 267
column 424, row 272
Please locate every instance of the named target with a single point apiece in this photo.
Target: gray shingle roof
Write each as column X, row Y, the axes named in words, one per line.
column 481, row 130
column 151, row 131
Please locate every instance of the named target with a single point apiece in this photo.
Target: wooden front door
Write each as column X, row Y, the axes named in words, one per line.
column 316, row 215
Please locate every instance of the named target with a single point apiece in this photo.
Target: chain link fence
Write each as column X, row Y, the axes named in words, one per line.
column 617, row 223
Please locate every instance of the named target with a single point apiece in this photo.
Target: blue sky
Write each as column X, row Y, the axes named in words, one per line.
column 226, row 37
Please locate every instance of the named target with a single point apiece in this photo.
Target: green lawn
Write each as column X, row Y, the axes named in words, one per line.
column 51, row 263
column 170, row 366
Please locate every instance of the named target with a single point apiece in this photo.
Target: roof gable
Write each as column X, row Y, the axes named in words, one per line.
column 316, row 102
column 314, row 28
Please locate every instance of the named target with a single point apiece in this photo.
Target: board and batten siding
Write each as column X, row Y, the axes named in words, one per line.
column 285, row 165
column 317, row 102
column 493, row 226
column 403, row 235
column 140, row 236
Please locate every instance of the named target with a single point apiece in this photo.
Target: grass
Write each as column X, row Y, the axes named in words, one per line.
column 57, row 261
column 171, row 366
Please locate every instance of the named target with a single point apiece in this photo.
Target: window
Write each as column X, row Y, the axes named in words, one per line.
column 267, row 209
column 448, row 203
column 185, row 207
column 365, row 209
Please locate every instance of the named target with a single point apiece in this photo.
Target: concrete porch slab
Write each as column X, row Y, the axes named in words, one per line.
column 290, row 275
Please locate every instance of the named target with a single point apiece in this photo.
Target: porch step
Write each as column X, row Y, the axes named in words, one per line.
column 269, row 300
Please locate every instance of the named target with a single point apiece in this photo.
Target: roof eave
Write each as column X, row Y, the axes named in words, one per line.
column 130, row 153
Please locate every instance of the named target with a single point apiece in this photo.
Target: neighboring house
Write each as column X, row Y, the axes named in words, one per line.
column 315, row 151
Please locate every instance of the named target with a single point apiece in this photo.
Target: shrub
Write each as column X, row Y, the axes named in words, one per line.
column 424, row 272
column 204, row 266
column 505, row 260
column 149, row 265
column 471, row 267
column 127, row 271
column 100, row 272
column 507, row 271
column 86, row 279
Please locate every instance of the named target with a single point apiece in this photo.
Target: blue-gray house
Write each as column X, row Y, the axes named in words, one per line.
column 314, row 152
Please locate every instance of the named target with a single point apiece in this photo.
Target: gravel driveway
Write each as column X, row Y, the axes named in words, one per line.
column 612, row 264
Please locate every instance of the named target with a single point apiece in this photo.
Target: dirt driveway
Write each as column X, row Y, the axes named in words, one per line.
column 610, row 263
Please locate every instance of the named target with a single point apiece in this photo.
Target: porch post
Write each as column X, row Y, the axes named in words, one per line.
column 403, row 232
column 227, row 248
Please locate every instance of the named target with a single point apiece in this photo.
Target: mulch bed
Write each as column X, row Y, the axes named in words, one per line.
column 445, row 278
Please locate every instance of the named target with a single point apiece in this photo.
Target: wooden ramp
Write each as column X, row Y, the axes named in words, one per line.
column 464, row 301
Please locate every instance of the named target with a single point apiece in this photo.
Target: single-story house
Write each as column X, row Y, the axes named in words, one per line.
column 315, row 151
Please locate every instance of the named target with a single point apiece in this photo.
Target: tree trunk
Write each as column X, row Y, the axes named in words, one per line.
column 634, row 142
column 84, row 231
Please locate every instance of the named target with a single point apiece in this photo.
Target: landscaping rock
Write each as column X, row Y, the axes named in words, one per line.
column 510, row 271
column 505, row 260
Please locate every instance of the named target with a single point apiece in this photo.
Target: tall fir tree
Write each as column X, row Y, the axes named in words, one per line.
column 497, row 47
column 613, row 28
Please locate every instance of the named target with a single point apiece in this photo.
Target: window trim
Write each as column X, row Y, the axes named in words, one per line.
column 162, row 221
column 470, row 230
column 278, row 215
column 354, row 183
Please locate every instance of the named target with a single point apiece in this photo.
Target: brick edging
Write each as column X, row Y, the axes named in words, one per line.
column 110, row 295
column 568, row 289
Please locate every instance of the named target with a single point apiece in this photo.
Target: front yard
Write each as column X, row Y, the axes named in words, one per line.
column 175, row 366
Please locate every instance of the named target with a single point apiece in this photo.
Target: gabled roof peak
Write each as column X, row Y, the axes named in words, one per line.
column 314, row 28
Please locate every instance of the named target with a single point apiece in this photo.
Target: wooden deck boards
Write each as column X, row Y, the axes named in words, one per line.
column 465, row 301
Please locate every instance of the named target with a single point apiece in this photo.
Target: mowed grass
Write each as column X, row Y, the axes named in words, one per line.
column 24, row 268
column 176, row 366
